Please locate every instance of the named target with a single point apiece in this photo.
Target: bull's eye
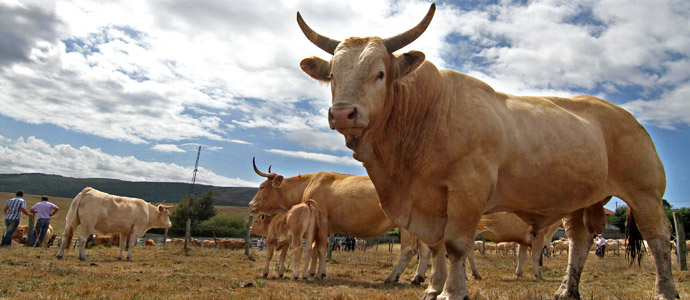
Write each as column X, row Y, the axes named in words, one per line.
column 380, row 76
column 330, row 76
column 261, row 187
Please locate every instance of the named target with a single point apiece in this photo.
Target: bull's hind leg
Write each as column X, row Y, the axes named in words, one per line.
column 652, row 222
column 580, row 241
column 424, row 253
column 522, row 254
column 83, row 236
column 408, row 250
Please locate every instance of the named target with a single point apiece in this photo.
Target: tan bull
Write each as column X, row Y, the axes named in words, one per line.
column 348, row 204
column 287, row 229
column 106, row 213
column 442, row 148
column 507, row 230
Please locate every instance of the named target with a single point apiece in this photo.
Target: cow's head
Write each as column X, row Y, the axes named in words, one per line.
column 260, row 225
column 164, row 216
column 361, row 73
column 270, row 197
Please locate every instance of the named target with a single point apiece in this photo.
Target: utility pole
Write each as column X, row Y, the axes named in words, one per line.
column 196, row 165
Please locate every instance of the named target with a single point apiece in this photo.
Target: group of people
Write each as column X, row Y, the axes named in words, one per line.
column 347, row 243
column 44, row 210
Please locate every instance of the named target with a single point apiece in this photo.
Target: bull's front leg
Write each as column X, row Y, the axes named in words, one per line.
column 438, row 271
column 459, row 241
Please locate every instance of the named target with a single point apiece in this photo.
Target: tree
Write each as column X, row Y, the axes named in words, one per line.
column 222, row 225
column 203, row 207
column 197, row 210
column 183, row 211
column 618, row 218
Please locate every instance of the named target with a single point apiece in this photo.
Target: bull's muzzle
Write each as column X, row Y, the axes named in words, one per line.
column 339, row 118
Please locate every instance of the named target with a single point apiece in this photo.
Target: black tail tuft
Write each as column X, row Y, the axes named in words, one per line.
column 635, row 240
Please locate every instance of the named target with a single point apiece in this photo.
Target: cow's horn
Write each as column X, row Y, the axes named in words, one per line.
column 401, row 40
column 262, row 174
column 325, row 43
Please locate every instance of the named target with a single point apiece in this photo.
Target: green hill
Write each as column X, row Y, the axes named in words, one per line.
column 170, row 192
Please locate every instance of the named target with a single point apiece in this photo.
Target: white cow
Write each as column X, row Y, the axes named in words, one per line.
column 131, row 217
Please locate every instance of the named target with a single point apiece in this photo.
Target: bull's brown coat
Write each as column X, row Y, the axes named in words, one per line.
column 442, row 148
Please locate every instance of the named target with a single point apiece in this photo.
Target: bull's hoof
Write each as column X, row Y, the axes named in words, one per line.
column 477, row 276
column 58, row 256
column 304, row 278
column 82, row 259
column 417, row 280
column 392, row 280
column 265, row 275
column 566, row 294
column 430, row 296
column 119, row 258
column 295, row 277
column 312, row 274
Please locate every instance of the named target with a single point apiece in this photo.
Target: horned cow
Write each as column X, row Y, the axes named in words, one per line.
column 442, row 148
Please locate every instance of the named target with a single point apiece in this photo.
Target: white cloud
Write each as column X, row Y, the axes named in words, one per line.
column 341, row 160
column 167, row 148
column 37, row 156
column 146, row 72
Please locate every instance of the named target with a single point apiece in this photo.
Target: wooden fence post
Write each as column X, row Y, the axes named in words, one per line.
column 165, row 236
column 31, row 231
column 110, row 242
column 329, row 252
column 187, row 236
column 680, row 243
column 247, row 238
column 215, row 239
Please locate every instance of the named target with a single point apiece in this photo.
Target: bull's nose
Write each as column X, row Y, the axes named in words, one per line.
column 342, row 117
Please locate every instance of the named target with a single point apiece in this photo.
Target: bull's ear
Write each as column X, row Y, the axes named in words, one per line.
column 408, row 62
column 277, row 181
column 161, row 208
column 316, row 68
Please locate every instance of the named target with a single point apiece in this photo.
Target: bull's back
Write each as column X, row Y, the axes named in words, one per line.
column 632, row 157
column 350, row 202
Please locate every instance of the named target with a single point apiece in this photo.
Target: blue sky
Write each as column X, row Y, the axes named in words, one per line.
column 130, row 89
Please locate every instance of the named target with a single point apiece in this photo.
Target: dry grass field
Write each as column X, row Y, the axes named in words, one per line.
column 167, row 273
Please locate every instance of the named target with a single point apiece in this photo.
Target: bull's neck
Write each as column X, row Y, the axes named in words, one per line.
column 297, row 185
column 401, row 138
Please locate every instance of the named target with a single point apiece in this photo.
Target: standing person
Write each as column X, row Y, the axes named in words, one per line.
column 13, row 212
column 601, row 247
column 45, row 210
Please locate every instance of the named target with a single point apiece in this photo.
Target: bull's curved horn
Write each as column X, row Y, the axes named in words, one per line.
column 401, row 40
column 269, row 169
column 262, row 174
column 325, row 43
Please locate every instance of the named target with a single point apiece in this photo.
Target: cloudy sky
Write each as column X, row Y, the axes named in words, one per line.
column 130, row 89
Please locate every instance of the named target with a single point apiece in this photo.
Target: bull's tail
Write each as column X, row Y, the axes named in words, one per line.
column 634, row 240
column 72, row 219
